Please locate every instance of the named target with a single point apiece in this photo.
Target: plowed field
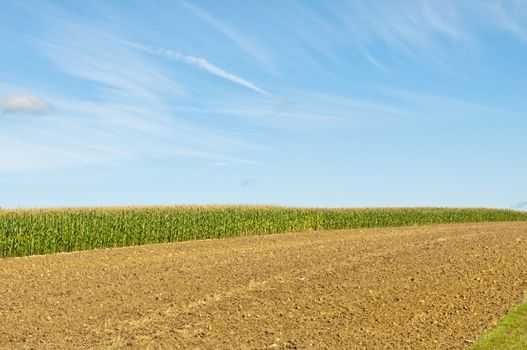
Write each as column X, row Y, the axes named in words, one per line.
column 430, row 287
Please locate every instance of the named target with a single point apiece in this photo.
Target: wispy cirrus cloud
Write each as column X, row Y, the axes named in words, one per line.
column 430, row 35
column 202, row 64
column 427, row 32
column 297, row 110
column 255, row 51
column 510, row 16
column 95, row 56
column 127, row 115
column 24, row 103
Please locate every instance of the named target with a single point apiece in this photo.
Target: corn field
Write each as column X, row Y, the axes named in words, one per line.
column 43, row 231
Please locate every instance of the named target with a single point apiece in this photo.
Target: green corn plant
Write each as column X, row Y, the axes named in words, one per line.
column 44, row 231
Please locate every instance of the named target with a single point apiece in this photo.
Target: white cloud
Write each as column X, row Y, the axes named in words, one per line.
column 23, row 103
column 203, row 64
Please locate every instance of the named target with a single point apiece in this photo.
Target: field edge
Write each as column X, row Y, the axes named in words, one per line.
column 510, row 333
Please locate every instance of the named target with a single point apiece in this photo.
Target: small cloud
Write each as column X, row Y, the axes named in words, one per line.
column 248, row 183
column 22, row 103
column 520, row 205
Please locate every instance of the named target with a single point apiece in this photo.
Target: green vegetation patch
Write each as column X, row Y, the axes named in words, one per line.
column 510, row 334
column 44, row 231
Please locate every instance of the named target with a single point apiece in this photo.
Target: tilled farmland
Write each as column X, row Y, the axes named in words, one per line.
column 429, row 287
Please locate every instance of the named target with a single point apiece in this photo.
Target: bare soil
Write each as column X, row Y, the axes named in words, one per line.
column 432, row 287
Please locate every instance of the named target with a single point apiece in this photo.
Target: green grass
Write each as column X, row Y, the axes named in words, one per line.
column 510, row 334
column 43, row 231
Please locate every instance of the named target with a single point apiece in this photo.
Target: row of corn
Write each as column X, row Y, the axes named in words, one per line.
column 44, row 231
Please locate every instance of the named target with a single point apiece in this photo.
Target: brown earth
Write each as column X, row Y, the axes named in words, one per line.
column 433, row 287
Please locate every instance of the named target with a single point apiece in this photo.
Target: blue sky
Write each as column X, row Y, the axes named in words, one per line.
column 306, row 103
